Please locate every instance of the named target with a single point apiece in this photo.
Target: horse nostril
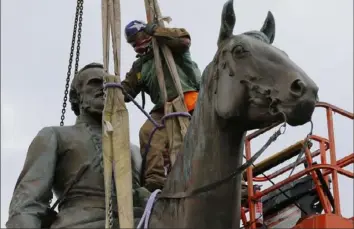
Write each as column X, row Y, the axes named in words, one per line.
column 297, row 88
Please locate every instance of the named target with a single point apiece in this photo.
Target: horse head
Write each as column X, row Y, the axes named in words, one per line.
column 255, row 82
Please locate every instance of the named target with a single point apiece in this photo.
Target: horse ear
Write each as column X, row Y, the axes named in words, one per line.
column 268, row 27
column 228, row 20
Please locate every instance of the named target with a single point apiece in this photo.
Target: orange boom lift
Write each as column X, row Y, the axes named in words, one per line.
column 303, row 200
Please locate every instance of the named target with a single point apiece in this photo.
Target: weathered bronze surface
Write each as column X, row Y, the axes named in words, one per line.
column 55, row 156
column 248, row 85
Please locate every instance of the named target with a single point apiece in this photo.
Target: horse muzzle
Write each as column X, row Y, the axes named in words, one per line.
column 301, row 113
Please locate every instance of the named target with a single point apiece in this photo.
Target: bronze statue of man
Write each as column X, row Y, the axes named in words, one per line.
column 56, row 155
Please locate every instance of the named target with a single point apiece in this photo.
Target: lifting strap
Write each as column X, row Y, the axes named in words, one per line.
column 176, row 127
column 115, row 137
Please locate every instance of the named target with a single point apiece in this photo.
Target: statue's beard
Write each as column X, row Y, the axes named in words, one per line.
column 94, row 106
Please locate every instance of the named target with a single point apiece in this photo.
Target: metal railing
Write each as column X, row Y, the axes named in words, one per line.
column 333, row 168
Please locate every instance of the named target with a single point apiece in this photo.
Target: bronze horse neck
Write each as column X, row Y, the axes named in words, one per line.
column 211, row 152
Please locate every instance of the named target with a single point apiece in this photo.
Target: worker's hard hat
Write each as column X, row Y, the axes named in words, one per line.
column 133, row 28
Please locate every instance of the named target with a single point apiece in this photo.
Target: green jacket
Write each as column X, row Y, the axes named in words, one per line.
column 143, row 77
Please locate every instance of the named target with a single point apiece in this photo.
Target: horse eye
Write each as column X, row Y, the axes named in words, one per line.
column 238, row 49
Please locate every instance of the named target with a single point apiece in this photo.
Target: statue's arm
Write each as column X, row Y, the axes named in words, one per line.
column 33, row 189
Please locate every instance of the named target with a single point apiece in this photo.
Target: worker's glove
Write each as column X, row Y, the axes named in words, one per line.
column 150, row 28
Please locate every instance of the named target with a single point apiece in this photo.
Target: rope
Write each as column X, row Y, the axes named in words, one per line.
column 148, row 208
column 157, row 126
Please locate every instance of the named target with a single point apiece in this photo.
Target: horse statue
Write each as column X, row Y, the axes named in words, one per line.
column 250, row 84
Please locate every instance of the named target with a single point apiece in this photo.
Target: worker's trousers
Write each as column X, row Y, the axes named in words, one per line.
column 156, row 159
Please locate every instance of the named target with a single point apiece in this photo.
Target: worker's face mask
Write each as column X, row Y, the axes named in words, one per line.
column 91, row 93
column 140, row 42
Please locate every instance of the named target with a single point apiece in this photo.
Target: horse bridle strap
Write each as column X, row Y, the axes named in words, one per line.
column 240, row 169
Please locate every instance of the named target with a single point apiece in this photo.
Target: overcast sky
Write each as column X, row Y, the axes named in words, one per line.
column 35, row 43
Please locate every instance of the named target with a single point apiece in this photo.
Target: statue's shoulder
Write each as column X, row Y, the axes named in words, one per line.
column 46, row 131
column 59, row 131
column 46, row 139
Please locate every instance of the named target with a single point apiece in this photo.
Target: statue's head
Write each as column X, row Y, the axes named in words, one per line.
column 86, row 92
column 257, row 82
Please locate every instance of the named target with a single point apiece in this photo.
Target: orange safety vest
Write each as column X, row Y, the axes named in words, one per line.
column 190, row 99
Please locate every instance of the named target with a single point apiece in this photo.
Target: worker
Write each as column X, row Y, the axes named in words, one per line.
column 143, row 78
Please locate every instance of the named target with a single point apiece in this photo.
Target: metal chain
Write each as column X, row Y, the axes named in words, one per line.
column 110, row 209
column 78, row 17
column 110, row 213
column 79, row 38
